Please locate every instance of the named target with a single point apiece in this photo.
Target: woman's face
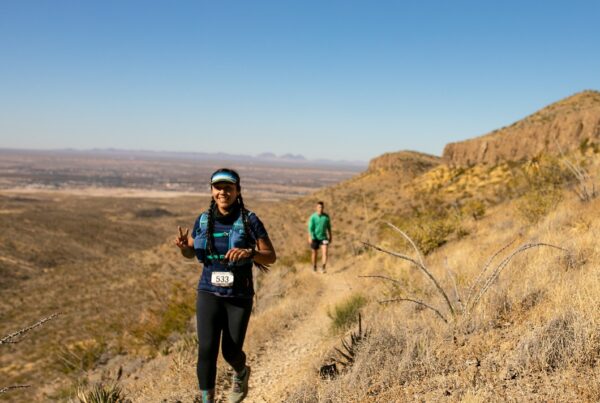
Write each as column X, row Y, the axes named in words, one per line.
column 224, row 194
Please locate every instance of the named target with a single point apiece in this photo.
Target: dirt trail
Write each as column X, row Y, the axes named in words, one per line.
column 286, row 359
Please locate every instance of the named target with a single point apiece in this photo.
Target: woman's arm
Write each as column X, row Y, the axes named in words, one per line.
column 263, row 254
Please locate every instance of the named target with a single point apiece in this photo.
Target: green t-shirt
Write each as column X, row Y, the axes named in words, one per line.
column 318, row 226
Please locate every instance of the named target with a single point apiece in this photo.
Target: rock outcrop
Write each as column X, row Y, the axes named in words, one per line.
column 407, row 164
column 562, row 126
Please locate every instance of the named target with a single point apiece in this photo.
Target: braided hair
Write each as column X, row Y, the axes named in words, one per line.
column 210, row 244
column 212, row 213
column 247, row 227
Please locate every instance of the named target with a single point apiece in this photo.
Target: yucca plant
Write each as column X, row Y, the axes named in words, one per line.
column 345, row 358
column 99, row 393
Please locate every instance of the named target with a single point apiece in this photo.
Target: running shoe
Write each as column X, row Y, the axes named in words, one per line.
column 239, row 387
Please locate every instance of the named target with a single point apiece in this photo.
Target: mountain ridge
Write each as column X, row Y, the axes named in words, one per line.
column 559, row 127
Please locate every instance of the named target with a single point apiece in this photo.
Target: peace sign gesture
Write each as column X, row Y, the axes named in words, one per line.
column 184, row 241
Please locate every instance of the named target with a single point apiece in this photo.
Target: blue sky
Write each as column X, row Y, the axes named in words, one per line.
column 326, row 79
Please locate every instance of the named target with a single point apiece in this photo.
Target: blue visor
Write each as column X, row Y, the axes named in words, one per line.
column 223, row 177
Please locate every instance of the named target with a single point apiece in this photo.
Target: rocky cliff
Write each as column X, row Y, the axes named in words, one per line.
column 562, row 126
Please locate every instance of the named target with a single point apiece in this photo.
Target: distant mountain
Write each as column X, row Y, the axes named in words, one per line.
column 267, row 157
column 293, row 157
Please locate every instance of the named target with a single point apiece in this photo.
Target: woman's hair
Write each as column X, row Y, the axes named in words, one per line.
column 212, row 213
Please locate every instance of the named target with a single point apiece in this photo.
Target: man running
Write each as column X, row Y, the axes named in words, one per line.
column 319, row 235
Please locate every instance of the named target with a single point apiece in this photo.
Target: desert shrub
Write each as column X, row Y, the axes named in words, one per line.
column 474, row 208
column 99, row 393
column 537, row 203
column 79, row 356
column 431, row 232
column 430, row 223
column 172, row 316
column 345, row 313
column 541, row 191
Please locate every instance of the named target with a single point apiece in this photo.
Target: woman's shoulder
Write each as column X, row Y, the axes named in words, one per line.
column 252, row 217
column 257, row 225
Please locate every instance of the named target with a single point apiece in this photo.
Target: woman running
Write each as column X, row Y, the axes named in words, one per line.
column 228, row 240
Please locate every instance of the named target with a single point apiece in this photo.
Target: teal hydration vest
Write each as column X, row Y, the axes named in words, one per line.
column 226, row 237
column 236, row 238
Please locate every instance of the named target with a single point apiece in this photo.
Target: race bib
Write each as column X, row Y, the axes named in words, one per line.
column 222, row 278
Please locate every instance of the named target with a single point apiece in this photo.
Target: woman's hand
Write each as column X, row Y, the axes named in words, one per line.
column 263, row 255
column 235, row 254
column 185, row 243
column 182, row 240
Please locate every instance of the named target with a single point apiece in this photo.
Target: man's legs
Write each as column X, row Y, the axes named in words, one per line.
column 314, row 248
column 324, row 256
column 313, row 258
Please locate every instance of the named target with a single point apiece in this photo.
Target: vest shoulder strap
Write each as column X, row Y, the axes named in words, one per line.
column 203, row 221
column 237, row 225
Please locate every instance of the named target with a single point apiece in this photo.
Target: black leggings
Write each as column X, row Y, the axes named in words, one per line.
column 215, row 316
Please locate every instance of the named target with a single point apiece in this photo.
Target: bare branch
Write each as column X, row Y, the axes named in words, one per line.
column 453, row 279
column 384, row 278
column 505, row 263
column 581, row 175
column 578, row 173
column 10, row 339
column 482, row 272
column 416, row 302
column 420, row 266
column 9, row 388
column 419, row 254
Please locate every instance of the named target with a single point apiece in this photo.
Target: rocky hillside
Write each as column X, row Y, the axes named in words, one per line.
column 565, row 125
